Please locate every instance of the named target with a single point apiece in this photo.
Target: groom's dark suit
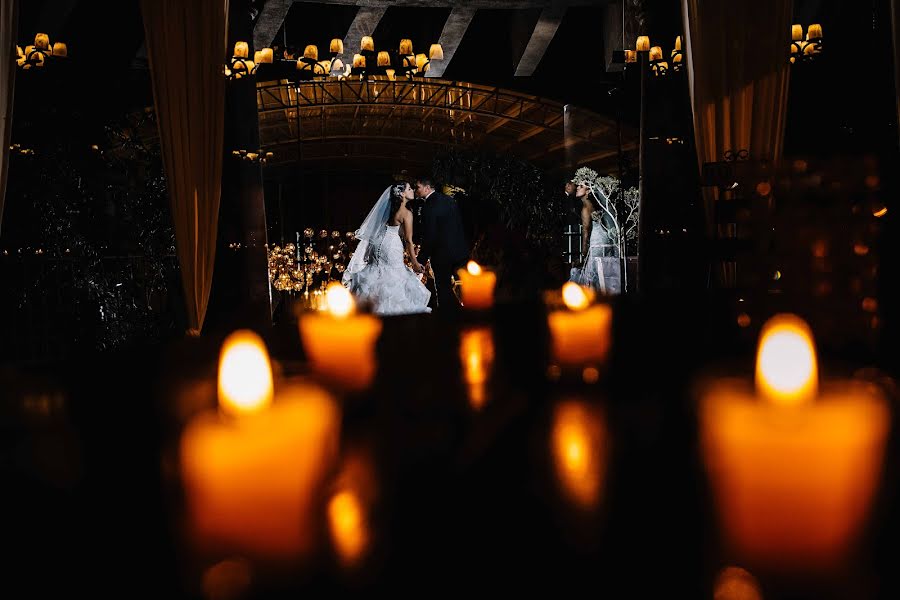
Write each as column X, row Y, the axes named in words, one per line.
column 444, row 243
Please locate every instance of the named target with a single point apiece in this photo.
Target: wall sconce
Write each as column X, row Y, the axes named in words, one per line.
column 805, row 49
column 37, row 54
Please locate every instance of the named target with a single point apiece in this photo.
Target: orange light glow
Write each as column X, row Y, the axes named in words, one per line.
column 245, row 374
column 346, row 520
column 578, row 442
column 473, row 268
column 339, row 300
column 735, row 583
column 575, row 296
column 476, row 353
column 786, row 368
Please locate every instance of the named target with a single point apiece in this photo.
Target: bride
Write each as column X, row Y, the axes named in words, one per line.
column 600, row 269
column 376, row 273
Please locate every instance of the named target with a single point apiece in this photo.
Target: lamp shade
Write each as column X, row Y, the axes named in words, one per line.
column 60, row 50
column 642, row 44
column 241, row 49
column 359, row 61
column 42, row 41
column 311, row 51
column 337, row 46
column 384, row 59
column 367, row 44
column 422, row 63
column 406, row 47
column 266, row 55
column 814, row 32
column 436, row 52
column 656, row 53
column 796, row 33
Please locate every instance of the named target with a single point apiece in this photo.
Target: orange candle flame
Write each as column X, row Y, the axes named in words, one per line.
column 786, row 369
column 339, row 300
column 245, row 374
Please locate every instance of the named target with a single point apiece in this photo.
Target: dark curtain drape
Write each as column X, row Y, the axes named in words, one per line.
column 186, row 47
column 8, row 25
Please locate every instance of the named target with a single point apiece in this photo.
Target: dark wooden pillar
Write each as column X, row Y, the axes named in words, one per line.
column 240, row 293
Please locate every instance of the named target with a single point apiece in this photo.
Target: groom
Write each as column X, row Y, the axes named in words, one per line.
column 443, row 241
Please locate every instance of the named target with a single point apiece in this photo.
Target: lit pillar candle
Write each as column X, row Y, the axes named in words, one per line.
column 340, row 343
column 793, row 466
column 477, row 286
column 579, row 332
column 252, row 472
column 476, row 354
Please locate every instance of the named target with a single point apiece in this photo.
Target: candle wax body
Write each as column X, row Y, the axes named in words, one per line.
column 793, row 484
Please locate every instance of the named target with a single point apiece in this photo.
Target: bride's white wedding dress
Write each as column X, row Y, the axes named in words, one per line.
column 386, row 282
column 601, row 269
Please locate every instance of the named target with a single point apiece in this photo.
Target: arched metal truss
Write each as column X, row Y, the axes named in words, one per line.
column 371, row 120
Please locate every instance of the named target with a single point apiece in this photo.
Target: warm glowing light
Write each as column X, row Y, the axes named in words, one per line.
column 476, row 353
column 642, row 44
column 336, row 46
column 735, row 583
column 786, row 369
column 339, row 300
column 575, row 296
column 880, row 212
column 473, row 268
column 227, row 579
column 578, row 447
column 245, row 373
column 346, row 520
column 367, row 44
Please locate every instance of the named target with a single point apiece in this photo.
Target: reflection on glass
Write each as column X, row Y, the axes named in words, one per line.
column 476, row 352
column 579, row 448
column 349, row 509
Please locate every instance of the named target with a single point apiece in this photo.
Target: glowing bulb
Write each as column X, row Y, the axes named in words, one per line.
column 575, row 296
column 245, row 373
column 473, row 267
column 786, row 369
column 339, row 300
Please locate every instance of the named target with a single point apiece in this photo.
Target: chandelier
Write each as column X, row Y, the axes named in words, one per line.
column 658, row 66
column 366, row 63
column 311, row 265
column 805, row 49
column 37, row 54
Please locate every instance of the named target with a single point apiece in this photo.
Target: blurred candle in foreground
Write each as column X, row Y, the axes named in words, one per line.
column 579, row 449
column 476, row 353
column 793, row 465
column 252, row 479
column 339, row 343
column 579, row 332
column 477, row 286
